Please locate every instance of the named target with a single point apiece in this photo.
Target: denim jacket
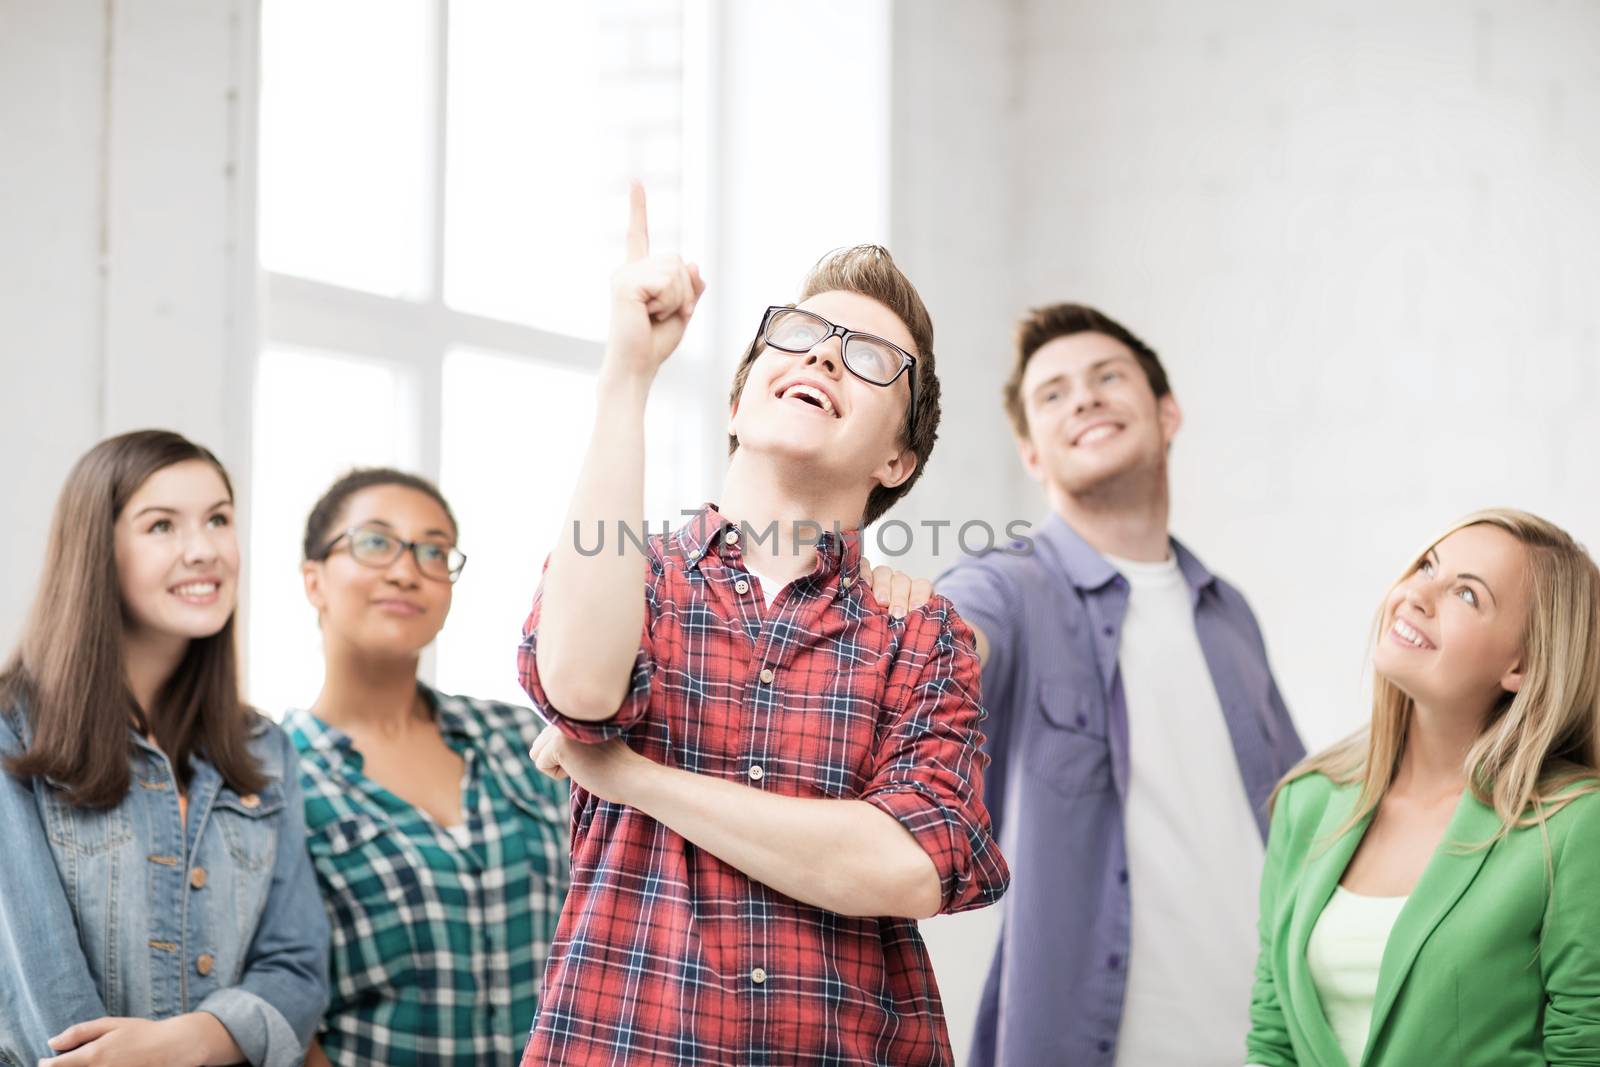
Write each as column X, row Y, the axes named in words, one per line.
column 132, row 912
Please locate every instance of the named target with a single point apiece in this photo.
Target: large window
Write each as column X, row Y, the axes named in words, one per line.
column 442, row 197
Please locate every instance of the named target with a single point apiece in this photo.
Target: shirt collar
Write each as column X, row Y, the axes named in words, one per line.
column 334, row 746
column 837, row 551
column 1087, row 569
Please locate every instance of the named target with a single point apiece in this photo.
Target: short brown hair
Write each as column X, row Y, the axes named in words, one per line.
column 870, row 271
column 67, row 673
column 1044, row 324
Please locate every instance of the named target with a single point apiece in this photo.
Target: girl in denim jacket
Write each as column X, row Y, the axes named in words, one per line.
column 157, row 904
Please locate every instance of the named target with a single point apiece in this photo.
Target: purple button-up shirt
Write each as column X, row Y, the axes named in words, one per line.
column 1058, row 736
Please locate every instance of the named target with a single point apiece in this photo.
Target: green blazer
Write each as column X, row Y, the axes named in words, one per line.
column 1485, row 967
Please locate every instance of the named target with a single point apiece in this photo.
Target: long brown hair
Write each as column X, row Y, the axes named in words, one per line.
column 68, row 674
column 1540, row 748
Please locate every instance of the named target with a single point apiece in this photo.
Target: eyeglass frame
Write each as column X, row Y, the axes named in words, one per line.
column 908, row 362
column 452, row 574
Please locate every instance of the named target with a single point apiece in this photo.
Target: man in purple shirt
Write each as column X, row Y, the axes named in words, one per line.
column 1134, row 725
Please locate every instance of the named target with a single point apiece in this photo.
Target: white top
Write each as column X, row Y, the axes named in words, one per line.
column 770, row 587
column 1344, row 954
column 1194, row 849
column 461, row 832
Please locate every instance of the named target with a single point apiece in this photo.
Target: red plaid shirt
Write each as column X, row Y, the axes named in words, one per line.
column 665, row 954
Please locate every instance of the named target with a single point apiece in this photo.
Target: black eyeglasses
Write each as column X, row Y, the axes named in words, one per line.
column 867, row 356
column 376, row 547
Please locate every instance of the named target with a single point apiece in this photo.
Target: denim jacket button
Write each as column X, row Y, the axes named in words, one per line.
column 250, row 800
column 203, row 965
column 197, row 878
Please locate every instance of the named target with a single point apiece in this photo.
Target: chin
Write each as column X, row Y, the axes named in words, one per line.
column 1400, row 679
column 1083, row 478
column 197, row 630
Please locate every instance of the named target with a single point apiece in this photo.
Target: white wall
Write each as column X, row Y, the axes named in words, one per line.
column 125, row 291
column 1366, row 241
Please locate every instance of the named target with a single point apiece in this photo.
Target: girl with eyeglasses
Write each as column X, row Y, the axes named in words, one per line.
column 440, row 850
column 157, row 906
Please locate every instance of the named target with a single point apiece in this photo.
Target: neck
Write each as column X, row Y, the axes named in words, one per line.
column 149, row 661
column 361, row 692
column 1435, row 757
column 785, row 511
column 1125, row 516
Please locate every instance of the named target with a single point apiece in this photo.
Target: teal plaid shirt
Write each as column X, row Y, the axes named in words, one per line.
column 439, row 944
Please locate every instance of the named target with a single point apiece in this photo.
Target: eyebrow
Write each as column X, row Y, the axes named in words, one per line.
column 1090, row 369
column 435, row 532
column 163, row 509
column 1467, row 575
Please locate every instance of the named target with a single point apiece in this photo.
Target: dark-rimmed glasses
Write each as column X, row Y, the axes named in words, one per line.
column 373, row 546
column 867, row 356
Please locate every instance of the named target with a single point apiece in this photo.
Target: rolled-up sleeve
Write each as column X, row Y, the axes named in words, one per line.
column 273, row 1010
column 633, row 706
column 929, row 764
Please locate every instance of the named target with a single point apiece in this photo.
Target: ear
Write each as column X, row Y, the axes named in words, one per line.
column 311, row 578
column 1028, row 452
column 1170, row 416
column 1511, row 680
column 896, row 469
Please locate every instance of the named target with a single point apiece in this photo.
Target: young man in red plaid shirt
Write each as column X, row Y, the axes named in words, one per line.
column 772, row 778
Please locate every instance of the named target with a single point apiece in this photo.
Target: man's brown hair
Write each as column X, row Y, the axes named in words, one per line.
column 870, row 271
column 1044, row 324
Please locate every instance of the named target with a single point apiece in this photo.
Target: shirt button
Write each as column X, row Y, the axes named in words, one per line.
column 1113, row 961
column 1109, row 631
column 756, row 773
column 731, row 537
column 1122, row 877
column 1105, row 1046
column 197, row 878
column 203, row 965
column 846, row 582
column 250, row 800
column 741, row 587
column 758, row 976
column 766, row 676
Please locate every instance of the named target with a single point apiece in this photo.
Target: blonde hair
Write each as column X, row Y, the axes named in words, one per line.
column 1538, row 742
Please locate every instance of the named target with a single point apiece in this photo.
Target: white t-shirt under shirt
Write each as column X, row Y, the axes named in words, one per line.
column 770, row 587
column 1194, row 850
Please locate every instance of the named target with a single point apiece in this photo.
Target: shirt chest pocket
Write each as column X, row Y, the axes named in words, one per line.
column 375, row 898
column 1067, row 746
column 84, row 832
column 249, row 825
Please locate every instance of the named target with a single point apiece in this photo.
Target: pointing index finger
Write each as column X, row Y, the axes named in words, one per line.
column 638, row 225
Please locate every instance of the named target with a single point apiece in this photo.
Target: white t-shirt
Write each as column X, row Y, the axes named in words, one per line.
column 770, row 587
column 1344, row 954
column 1194, row 851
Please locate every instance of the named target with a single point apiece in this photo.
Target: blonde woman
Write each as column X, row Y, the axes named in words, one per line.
column 1432, row 885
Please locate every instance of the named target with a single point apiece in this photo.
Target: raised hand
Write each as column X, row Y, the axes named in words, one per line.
column 652, row 299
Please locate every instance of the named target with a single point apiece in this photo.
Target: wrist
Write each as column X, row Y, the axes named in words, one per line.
column 203, row 1038
column 623, row 383
column 644, row 786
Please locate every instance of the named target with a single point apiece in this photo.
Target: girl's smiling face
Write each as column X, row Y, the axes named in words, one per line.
column 1453, row 629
